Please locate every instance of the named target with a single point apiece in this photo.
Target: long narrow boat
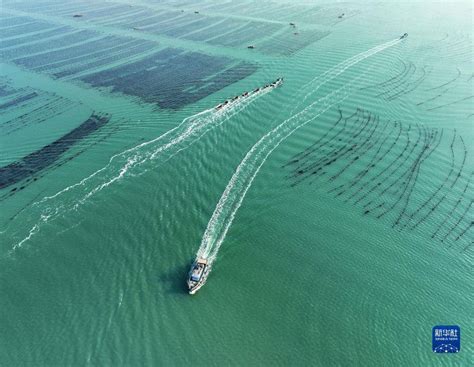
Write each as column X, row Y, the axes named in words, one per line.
column 231, row 101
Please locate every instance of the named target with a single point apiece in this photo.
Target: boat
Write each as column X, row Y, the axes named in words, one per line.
column 251, row 46
column 77, row 16
column 405, row 35
column 274, row 84
column 277, row 82
column 341, row 16
column 198, row 274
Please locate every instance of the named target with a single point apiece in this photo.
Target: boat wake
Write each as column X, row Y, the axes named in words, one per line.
column 131, row 162
column 249, row 167
column 313, row 85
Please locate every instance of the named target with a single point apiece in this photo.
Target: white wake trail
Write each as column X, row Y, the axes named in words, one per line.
column 131, row 161
column 249, row 167
column 190, row 129
column 244, row 175
column 313, row 85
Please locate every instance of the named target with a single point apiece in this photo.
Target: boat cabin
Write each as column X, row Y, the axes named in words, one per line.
column 198, row 270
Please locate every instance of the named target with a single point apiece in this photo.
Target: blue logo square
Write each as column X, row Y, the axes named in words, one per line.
column 446, row 339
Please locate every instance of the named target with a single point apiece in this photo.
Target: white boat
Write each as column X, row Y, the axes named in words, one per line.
column 198, row 274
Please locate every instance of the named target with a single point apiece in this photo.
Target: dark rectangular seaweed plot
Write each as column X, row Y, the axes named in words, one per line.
column 110, row 11
column 46, row 156
column 261, row 30
column 124, row 19
column 6, row 89
column 217, row 30
column 115, row 76
column 16, row 101
column 181, row 30
column 229, row 76
column 289, row 43
column 132, row 49
column 143, row 21
column 17, row 30
column 67, row 53
column 162, row 77
column 253, row 31
column 43, row 46
column 34, row 37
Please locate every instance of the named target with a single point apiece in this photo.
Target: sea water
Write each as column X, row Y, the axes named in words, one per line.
column 336, row 209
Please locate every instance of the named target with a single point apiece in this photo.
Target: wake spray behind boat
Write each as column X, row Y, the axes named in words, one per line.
column 201, row 267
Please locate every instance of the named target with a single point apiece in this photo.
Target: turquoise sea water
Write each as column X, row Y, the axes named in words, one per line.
column 337, row 208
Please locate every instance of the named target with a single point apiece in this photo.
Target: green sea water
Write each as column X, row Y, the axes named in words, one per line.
column 94, row 251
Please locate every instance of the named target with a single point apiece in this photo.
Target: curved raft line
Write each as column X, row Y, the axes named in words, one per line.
column 394, row 184
column 128, row 162
column 249, row 167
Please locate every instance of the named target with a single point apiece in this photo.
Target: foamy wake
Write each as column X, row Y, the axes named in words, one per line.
column 249, row 167
column 131, row 162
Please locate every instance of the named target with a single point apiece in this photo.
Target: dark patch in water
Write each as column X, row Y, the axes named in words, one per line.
column 34, row 26
column 66, row 53
column 18, row 100
column 49, row 107
column 96, row 60
column 48, row 44
column 46, row 156
column 6, row 90
column 288, row 43
column 151, row 80
column 34, row 37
